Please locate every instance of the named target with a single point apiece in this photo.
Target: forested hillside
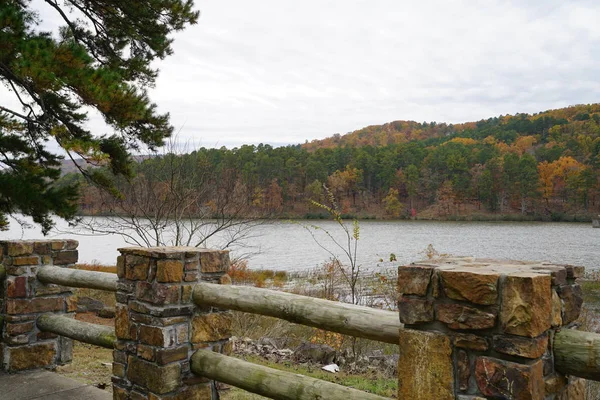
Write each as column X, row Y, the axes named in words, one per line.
column 542, row 166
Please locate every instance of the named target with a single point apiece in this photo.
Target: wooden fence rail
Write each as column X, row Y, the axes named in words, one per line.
column 348, row 319
column 78, row 278
column 270, row 382
column 575, row 352
column 99, row 335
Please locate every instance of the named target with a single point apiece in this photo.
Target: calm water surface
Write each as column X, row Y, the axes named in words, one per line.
column 289, row 246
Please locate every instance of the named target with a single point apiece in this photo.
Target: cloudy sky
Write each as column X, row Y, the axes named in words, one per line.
column 286, row 71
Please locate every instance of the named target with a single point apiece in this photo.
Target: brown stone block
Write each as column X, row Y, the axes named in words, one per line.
column 414, row 279
column 17, row 340
column 158, row 379
column 65, row 257
column 16, row 287
column 120, row 393
column 26, row 260
column 37, row 305
column 71, row 304
column 427, row 368
column 46, row 335
column 145, row 352
column 469, row 341
column 169, row 270
column 557, row 272
column 186, row 293
column 57, row 244
column 19, row 248
column 214, row 260
column 211, row 327
column 507, row 380
column 163, row 312
column 122, row 322
column 556, row 320
column 191, row 276
column 37, row 355
column 463, row 369
column 166, row 356
column 458, row 316
column 415, row 310
column 196, row 392
column 521, row 346
column 526, row 304
column 42, row 248
column 182, row 333
column 136, row 267
column 121, row 267
column 572, row 298
column 139, row 396
column 554, row 384
column 12, row 270
column 476, row 287
column 118, row 369
column 575, row 271
column 50, row 289
column 574, row 391
column 71, row 244
column 13, row 329
column 192, row 265
column 157, row 336
column 157, row 293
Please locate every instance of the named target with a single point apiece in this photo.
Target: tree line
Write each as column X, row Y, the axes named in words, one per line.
column 541, row 166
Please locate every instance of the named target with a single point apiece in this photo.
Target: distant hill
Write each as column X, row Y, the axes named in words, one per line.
column 398, row 132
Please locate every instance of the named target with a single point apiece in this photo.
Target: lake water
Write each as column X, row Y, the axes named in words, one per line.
column 289, row 246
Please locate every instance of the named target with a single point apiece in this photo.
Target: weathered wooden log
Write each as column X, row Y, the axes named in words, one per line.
column 577, row 353
column 99, row 335
column 78, row 278
column 270, row 382
column 333, row 316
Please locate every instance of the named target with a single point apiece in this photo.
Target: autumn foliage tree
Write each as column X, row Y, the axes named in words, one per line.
column 102, row 58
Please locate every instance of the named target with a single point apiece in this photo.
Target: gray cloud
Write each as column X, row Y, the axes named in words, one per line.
column 283, row 71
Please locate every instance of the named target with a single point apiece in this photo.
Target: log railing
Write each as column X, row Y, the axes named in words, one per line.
column 575, row 353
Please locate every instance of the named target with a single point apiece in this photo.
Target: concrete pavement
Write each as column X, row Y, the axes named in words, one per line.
column 46, row 385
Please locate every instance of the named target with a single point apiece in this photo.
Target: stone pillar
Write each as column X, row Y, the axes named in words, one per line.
column 157, row 325
column 479, row 329
column 23, row 298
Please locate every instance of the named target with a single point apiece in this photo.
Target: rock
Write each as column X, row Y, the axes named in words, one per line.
column 427, row 371
column 464, row 370
column 458, row 316
column 573, row 300
column 106, row 312
column 556, row 310
column 414, row 279
column 507, row 380
column 89, row 304
column 526, row 304
column 312, row 352
column 469, row 341
column 521, row 346
column 415, row 310
column 474, row 286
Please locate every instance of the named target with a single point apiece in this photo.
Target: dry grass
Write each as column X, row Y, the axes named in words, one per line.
column 91, row 365
column 97, row 267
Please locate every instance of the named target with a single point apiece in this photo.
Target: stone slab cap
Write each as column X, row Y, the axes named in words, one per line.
column 160, row 252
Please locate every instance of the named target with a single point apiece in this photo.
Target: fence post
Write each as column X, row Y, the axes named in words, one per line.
column 479, row 328
column 23, row 298
column 157, row 325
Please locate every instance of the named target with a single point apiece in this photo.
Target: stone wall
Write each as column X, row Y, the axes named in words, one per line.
column 158, row 327
column 23, row 298
column 482, row 329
